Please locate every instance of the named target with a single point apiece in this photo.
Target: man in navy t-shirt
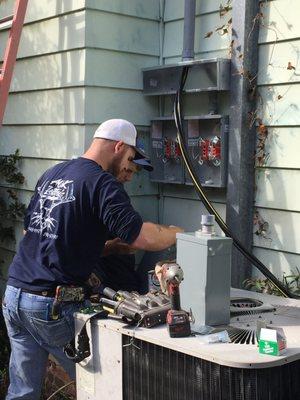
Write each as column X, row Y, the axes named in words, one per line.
column 76, row 206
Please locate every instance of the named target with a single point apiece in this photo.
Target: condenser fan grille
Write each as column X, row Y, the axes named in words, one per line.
column 242, row 336
column 244, row 306
column 245, row 303
column 245, row 313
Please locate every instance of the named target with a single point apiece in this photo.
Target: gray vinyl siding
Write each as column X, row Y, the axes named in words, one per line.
column 207, row 20
column 121, row 39
column 44, row 116
column 277, row 182
column 80, row 62
column 277, row 195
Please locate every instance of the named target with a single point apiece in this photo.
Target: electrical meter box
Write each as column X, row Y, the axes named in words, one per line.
column 206, row 135
column 204, row 75
column 165, row 152
column 206, row 264
column 206, row 140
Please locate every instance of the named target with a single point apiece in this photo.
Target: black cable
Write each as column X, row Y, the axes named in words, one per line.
column 210, row 208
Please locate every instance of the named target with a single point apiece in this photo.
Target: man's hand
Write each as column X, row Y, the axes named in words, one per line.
column 155, row 237
column 116, row 246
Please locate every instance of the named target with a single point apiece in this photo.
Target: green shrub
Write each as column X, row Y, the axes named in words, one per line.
column 264, row 285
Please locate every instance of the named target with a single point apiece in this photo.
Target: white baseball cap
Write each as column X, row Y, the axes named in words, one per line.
column 118, row 130
column 122, row 130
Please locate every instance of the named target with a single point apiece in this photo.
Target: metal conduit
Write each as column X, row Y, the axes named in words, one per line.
column 189, row 30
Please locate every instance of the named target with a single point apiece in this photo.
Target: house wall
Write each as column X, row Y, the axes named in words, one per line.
column 44, row 116
column 119, row 44
column 180, row 205
column 121, row 39
column 79, row 63
column 276, row 197
column 278, row 179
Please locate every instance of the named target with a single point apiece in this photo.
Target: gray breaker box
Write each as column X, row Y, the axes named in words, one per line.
column 199, row 128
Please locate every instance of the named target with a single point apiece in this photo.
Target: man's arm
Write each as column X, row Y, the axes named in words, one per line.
column 120, row 218
column 154, row 237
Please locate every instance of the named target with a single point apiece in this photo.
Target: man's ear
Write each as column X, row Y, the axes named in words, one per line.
column 119, row 146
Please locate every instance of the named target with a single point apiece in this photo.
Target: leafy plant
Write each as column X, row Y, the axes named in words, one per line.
column 292, row 281
column 260, row 285
column 226, row 27
column 9, row 168
column 10, row 208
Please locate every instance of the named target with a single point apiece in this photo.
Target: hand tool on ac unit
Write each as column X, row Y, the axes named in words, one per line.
column 146, row 310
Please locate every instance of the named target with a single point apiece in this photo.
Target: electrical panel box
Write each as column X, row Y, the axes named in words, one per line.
column 206, row 263
column 206, row 140
column 204, row 75
column 206, row 135
column 165, row 152
column 207, row 145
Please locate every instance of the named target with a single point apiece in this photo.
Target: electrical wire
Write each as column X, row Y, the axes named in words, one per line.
column 210, row 208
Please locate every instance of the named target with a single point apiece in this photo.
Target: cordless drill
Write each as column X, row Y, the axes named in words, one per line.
column 178, row 320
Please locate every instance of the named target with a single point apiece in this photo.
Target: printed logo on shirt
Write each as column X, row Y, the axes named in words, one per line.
column 52, row 194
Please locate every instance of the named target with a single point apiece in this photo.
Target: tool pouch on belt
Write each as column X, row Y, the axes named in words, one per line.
column 69, row 293
column 66, row 294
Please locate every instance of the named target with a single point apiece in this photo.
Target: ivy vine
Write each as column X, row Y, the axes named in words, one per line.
column 11, row 208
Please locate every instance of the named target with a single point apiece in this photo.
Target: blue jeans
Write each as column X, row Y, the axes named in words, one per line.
column 33, row 335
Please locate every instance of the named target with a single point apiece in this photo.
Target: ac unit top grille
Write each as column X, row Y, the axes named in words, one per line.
column 242, row 352
column 247, row 314
column 240, row 302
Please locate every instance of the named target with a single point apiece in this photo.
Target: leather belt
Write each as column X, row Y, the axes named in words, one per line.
column 43, row 293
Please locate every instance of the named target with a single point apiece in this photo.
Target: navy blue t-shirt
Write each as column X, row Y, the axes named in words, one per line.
column 76, row 205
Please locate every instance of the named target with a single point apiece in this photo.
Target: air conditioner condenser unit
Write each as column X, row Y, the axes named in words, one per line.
column 145, row 364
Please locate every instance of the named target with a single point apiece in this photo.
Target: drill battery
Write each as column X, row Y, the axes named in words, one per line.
column 178, row 323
